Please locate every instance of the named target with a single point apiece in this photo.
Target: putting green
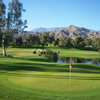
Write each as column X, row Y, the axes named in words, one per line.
column 56, row 81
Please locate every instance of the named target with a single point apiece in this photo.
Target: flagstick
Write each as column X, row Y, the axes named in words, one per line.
column 70, row 74
column 70, row 66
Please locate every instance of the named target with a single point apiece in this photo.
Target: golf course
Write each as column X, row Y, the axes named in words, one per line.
column 28, row 76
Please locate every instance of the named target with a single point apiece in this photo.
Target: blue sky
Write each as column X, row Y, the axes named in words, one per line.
column 61, row 13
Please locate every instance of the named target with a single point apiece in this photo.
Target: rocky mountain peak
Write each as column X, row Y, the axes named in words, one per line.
column 73, row 31
column 71, row 28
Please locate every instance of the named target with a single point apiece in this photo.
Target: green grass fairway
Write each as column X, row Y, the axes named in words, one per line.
column 64, row 52
column 35, row 78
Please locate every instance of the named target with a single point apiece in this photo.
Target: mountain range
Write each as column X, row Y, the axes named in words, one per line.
column 71, row 32
column 45, row 29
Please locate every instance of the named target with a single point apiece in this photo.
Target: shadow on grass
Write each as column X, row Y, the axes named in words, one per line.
column 89, row 49
column 35, row 59
column 87, row 66
column 43, row 67
column 20, row 66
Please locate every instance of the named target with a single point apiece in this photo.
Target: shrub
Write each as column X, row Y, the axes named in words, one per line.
column 34, row 51
column 53, row 56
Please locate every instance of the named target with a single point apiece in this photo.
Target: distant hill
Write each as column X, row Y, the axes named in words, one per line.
column 45, row 29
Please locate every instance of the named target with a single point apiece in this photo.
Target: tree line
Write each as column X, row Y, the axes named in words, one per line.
column 49, row 40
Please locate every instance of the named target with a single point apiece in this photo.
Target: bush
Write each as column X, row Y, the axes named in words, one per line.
column 10, row 56
column 53, row 56
column 34, row 51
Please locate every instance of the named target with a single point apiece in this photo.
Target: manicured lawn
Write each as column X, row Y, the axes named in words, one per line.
column 35, row 78
column 64, row 52
column 72, row 52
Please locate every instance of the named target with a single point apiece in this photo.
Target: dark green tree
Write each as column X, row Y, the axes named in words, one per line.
column 55, row 42
column 96, row 43
column 0, row 39
column 88, row 42
column 72, row 43
column 28, row 39
column 44, row 39
column 50, row 39
column 18, row 41
column 35, row 40
column 79, row 41
column 32, row 40
column 12, row 23
column 53, row 56
column 65, row 42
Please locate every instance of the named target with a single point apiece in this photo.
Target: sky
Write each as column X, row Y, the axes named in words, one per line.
column 61, row 13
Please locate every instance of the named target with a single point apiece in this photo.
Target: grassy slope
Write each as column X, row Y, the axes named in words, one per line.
column 37, row 79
